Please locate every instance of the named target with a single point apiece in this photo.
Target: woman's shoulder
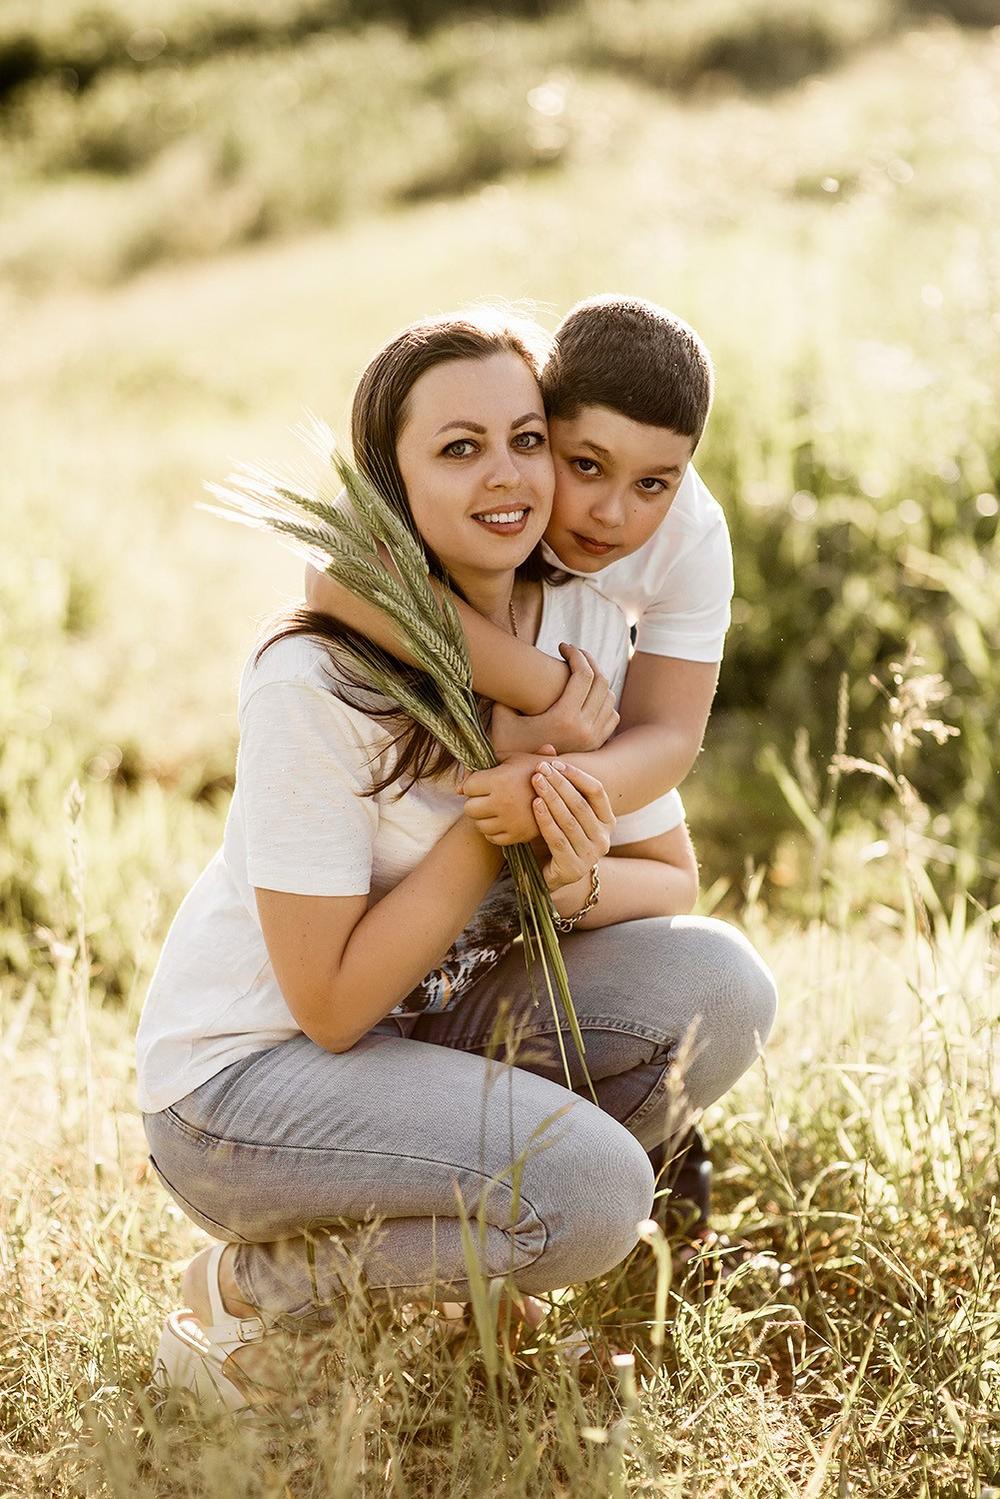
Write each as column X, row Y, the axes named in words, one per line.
column 300, row 669
column 297, row 675
column 291, row 659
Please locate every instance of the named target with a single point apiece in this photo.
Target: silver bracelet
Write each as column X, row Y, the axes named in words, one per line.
column 567, row 923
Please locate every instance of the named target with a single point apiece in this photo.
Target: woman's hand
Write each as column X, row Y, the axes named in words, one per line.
column 583, row 718
column 575, row 820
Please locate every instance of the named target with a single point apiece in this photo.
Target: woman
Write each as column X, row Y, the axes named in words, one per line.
column 310, row 1064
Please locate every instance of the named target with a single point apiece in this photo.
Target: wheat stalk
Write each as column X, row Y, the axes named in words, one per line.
column 309, row 515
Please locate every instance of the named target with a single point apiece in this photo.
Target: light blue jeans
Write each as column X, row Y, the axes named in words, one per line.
column 327, row 1168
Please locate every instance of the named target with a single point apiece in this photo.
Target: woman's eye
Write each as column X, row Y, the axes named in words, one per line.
column 464, row 443
column 585, row 466
column 528, row 441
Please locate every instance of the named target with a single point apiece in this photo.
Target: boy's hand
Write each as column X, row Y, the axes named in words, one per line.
column 512, row 733
column 499, row 801
column 583, row 718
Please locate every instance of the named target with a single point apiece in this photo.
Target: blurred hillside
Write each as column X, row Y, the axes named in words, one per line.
column 200, row 245
column 174, row 127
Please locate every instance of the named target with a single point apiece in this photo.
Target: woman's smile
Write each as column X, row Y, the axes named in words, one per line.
column 508, row 522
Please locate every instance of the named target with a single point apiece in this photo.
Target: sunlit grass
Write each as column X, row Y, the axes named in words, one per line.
column 836, row 246
column 864, row 1340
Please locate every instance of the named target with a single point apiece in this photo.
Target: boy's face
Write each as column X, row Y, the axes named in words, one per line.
column 615, row 481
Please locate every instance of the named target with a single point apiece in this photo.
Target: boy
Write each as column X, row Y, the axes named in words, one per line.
column 627, row 390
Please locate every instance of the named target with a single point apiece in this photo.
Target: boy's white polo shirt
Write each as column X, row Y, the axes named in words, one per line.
column 677, row 588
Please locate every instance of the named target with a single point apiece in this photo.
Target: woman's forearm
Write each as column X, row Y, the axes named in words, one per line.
column 401, row 937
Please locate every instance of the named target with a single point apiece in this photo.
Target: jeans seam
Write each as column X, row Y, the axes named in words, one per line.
column 591, row 1023
column 205, row 1138
column 198, row 1136
column 185, row 1203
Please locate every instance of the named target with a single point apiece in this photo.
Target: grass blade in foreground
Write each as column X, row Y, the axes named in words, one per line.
column 349, row 543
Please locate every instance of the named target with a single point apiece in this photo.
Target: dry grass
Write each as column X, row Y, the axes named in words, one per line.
column 861, row 1346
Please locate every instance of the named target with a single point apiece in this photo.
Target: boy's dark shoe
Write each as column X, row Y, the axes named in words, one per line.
column 683, row 1185
column 682, row 1207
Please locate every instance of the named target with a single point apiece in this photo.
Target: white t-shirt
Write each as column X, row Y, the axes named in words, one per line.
column 677, row 587
column 298, row 822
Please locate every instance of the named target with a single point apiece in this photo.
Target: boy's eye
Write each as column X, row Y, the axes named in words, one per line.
column 529, row 441
column 585, row 466
column 652, row 486
column 452, row 449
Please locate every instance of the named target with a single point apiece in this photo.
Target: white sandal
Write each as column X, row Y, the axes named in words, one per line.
column 192, row 1357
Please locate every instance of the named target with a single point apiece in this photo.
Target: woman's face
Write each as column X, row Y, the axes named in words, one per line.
column 475, row 460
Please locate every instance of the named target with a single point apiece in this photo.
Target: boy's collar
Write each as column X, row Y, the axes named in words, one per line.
column 554, row 560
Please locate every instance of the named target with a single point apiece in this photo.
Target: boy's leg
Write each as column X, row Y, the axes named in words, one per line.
column 672, row 1009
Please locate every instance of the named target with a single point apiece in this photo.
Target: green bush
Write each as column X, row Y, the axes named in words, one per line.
column 846, row 555
column 764, row 44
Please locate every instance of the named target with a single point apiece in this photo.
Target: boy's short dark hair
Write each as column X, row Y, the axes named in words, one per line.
column 634, row 357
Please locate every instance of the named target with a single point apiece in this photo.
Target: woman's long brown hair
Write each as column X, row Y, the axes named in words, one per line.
column 378, row 414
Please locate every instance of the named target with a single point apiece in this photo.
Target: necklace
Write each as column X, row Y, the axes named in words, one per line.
column 513, row 618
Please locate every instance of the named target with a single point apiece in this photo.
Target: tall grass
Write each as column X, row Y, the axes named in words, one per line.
column 859, row 1348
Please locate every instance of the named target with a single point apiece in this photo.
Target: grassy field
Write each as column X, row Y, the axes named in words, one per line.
column 856, row 1354
column 837, row 245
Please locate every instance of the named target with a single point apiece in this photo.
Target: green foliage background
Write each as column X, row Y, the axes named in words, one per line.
column 215, row 212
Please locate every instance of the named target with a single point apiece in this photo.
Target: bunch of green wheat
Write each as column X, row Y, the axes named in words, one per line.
column 349, row 542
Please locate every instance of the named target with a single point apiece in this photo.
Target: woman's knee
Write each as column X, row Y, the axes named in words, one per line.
column 600, row 1188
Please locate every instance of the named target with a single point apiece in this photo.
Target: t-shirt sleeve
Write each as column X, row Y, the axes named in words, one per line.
column 690, row 617
column 308, row 828
column 661, row 816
